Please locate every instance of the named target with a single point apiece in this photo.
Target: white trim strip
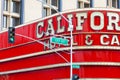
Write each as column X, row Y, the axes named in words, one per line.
column 61, row 65
column 34, row 68
column 92, row 79
column 60, row 49
column 98, row 63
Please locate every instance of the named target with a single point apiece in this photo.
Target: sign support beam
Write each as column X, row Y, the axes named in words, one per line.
column 71, row 43
column 71, row 29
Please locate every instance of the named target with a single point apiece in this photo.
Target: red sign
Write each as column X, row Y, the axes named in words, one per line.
column 96, row 45
column 91, row 28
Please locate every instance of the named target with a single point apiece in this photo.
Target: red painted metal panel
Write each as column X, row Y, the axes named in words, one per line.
column 54, row 58
column 96, row 56
column 21, row 50
column 58, row 73
column 98, row 72
column 19, row 40
column 34, row 62
column 43, row 74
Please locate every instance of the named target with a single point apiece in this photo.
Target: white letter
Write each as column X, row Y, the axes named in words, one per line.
column 113, row 18
column 88, row 40
column 115, row 40
column 37, row 30
column 60, row 29
column 102, row 39
column 92, row 21
column 80, row 19
column 50, row 29
column 70, row 19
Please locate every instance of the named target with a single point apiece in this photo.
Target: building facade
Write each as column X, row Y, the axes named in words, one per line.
column 96, row 47
column 15, row 12
column 34, row 54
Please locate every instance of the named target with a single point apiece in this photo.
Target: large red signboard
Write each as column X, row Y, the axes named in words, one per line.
column 96, row 44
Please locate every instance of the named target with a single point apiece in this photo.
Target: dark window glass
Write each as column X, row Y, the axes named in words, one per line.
column 114, row 3
column 4, row 21
column 15, row 21
column 5, row 5
column 54, row 2
column 59, row 5
column 86, row 5
column 15, row 6
column 44, row 12
column 53, row 11
column 79, row 4
column 107, row 2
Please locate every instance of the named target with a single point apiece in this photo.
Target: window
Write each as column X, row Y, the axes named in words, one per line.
column 15, row 6
column 53, row 11
column 5, row 5
column 83, row 3
column 54, row 2
column 79, row 4
column 15, row 21
column 47, row 10
column 114, row 3
column 86, row 5
column 11, row 13
column 4, row 21
column 45, row 1
column 107, row 2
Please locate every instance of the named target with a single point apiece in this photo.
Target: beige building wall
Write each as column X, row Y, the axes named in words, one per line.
column 69, row 4
column 32, row 10
column 100, row 3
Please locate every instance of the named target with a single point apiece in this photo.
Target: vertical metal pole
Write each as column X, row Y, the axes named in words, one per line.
column 71, row 58
column 71, row 28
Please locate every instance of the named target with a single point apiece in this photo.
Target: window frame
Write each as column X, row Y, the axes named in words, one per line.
column 49, row 9
column 87, row 4
column 56, row 5
column 81, row 3
column 114, row 6
column 15, row 21
column 110, row 3
column 15, row 6
column 5, row 19
column 5, row 7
